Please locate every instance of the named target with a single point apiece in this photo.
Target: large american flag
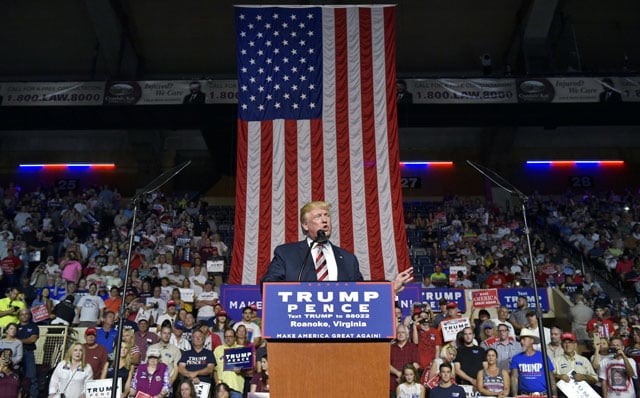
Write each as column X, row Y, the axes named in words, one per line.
column 317, row 120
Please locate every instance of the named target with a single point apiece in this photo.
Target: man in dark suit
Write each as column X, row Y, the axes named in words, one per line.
column 288, row 259
column 609, row 93
column 195, row 96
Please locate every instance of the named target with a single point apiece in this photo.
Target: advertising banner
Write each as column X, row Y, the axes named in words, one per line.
column 52, row 94
column 462, row 91
column 235, row 297
column 329, row 311
column 509, row 297
column 408, row 296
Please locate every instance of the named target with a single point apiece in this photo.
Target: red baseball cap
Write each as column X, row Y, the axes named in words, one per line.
column 170, row 303
column 568, row 336
column 452, row 304
column 91, row 330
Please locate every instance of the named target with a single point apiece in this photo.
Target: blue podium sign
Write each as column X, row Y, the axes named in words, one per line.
column 328, row 311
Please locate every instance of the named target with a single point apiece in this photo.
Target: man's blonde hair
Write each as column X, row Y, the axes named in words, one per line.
column 306, row 209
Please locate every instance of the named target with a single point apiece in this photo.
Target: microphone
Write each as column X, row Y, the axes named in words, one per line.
column 321, row 237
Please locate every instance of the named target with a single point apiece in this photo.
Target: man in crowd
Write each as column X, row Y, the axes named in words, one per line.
column 144, row 338
column 580, row 315
column 10, row 307
column 107, row 335
column 506, row 346
column 28, row 334
column 527, row 368
column 518, row 317
column 428, row 340
column 554, row 345
column 403, row 352
column 469, row 359
column 570, row 365
column 95, row 354
column 252, row 329
column 90, row 308
column 617, row 372
column 600, row 324
column 446, row 388
column 503, row 318
column 178, row 339
column 169, row 353
column 198, row 363
column 205, row 302
column 233, row 378
column 171, row 315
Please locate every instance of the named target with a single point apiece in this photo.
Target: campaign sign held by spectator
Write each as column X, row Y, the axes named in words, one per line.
column 409, row 295
column 451, row 327
column 334, row 310
column 509, row 298
column 238, row 358
column 202, row 389
column 432, row 296
column 235, row 297
column 101, row 388
column 486, row 298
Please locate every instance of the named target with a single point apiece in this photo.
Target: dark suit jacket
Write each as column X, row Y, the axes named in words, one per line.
column 199, row 98
column 287, row 262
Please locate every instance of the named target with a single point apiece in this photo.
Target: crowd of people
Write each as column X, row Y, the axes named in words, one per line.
column 63, row 256
column 472, row 245
column 63, row 260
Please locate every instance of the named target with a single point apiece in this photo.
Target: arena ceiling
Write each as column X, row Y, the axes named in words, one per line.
column 148, row 39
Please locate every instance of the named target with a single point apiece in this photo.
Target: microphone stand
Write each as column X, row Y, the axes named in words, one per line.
column 321, row 237
column 505, row 185
column 152, row 186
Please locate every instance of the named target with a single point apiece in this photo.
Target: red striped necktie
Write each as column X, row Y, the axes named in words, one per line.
column 321, row 264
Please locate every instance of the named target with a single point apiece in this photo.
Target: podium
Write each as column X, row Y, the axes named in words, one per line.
column 328, row 339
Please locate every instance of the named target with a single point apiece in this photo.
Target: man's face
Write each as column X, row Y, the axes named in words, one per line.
column 316, row 219
column 445, row 374
column 165, row 335
column 617, row 344
column 143, row 325
column 24, row 316
column 555, row 336
column 93, row 289
column 194, row 88
column 90, row 339
column 568, row 346
column 171, row 310
column 522, row 302
column 13, row 294
column 247, row 315
column 526, row 342
column 156, row 292
column 468, row 336
column 108, row 319
column 197, row 339
column 189, row 320
column 503, row 332
column 402, row 335
column 229, row 337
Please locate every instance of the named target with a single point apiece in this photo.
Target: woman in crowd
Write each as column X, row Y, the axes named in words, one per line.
column 151, row 377
column 633, row 347
column 11, row 342
column 125, row 369
column 447, row 354
column 71, row 374
column 221, row 323
column 185, row 390
column 44, row 298
column 260, row 380
column 492, row 381
column 128, row 337
column 180, row 303
column 408, row 387
column 222, row 390
column 9, row 378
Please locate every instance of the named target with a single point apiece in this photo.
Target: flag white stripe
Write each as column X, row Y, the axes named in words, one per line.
column 304, row 164
column 358, row 193
column 277, row 185
column 253, row 203
column 329, row 119
column 387, row 230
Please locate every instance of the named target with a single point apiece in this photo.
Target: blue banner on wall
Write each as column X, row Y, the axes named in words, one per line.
column 406, row 298
column 509, row 297
column 235, row 297
column 329, row 311
column 433, row 296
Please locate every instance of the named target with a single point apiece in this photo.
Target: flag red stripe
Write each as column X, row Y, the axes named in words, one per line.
column 369, row 146
column 317, row 160
column 266, row 187
column 235, row 273
column 342, row 130
column 402, row 252
column 291, row 206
